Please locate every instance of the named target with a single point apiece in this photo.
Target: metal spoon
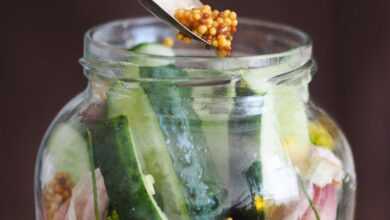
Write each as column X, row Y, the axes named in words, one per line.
column 165, row 10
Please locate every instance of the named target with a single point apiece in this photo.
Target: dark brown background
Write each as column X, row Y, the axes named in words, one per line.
column 41, row 42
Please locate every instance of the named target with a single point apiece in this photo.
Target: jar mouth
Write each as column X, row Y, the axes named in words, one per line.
column 257, row 45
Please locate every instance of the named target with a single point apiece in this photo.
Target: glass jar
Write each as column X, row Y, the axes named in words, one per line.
column 180, row 134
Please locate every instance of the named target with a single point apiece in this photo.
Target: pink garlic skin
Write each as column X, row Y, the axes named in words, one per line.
column 325, row 202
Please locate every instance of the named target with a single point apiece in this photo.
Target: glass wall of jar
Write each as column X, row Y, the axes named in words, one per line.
column 177, row 133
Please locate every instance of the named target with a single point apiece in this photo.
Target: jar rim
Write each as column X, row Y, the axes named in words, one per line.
column 297, row 52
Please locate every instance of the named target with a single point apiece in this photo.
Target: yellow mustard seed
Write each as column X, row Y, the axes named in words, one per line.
column 209, row 21
column 216, row 27
column 219, row 20
column 222, row 42
column 320, row 136
column 228, row 21
column 259, row 203
column 197, row 17
column 207, row 8
column 168, row 42
column 215, row 13
column 228, row 44
column 179, row 36
column 222, row 53
column 227, row 11
column 233, row 15
column 213, row 31
column 179, row 13
column 187, row 40
column 202, row 29
column 215, row 43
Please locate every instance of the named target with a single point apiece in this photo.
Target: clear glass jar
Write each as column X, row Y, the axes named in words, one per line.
column 192, row 136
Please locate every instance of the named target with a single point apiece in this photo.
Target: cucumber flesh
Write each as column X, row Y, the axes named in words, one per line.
column 150, row 143
column 213, row 105
column 292, row 124
column 182, row 130
column 67, row 151
column 150, row 50
column 145, row 52
column 115, row 155
column 280, row 181
column 285, row 137
column 153, row 49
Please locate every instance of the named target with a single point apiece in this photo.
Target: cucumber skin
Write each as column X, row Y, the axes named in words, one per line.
column 253, row 175
column 254, row 178
column 115, row 156
column 182, row 130
column 134, row 104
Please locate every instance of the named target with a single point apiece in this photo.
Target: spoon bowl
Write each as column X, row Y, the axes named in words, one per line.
column 165, row 10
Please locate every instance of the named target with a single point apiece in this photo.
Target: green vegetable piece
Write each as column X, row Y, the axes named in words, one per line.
column 253, row 176
column 114, row 216
column 67, row 151
column 117, row 158
column 149, row 140
column 182, row 130
column 93, row 176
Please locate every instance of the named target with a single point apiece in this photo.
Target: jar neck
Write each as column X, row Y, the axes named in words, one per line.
column 259, row 80
column 230, row 85
column 265, row 55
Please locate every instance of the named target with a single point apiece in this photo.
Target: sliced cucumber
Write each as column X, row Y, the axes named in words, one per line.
column 67, row 151
column 213, row 104
column 254, row 178
column 153, row 49
column 146, row 54
column 284, row 134
column 150, row 142
column 115, row 155
column 292, row 124
column 258, row 79
column 280, row 181
column 183, row 133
